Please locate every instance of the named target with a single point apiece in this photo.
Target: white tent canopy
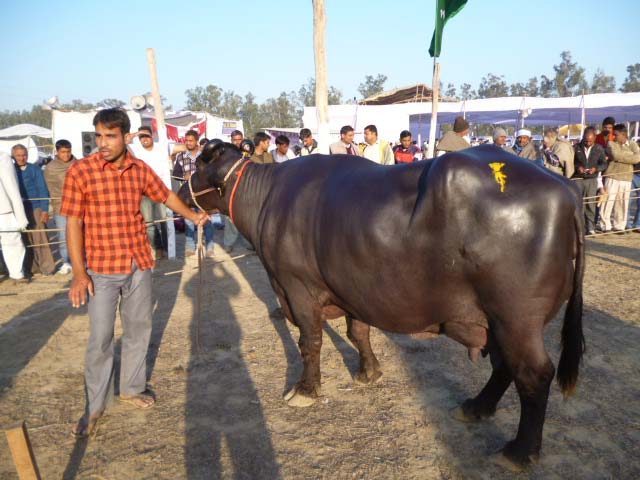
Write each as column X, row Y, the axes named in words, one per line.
column 416, row 117
column 26, row 130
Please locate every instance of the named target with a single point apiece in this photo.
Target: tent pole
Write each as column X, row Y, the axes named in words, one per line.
column 157, row 101
column 434, row 108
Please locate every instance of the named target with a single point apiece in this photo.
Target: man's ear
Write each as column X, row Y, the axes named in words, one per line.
column 128, row 137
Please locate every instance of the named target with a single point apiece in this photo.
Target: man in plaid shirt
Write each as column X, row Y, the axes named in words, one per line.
column 111, row 258
column 185, row 166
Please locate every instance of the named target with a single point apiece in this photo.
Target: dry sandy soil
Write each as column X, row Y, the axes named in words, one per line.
column 220, row 413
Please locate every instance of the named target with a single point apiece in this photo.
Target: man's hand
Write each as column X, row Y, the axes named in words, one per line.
column 591, row 171
column 44, row 217
column 200, row 218
column 580, row 169
column 79, row 285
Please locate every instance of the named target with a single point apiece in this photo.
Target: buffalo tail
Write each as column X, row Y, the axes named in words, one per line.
column 573, row 344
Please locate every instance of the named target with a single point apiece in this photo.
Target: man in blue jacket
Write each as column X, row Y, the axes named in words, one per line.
column 35, row 196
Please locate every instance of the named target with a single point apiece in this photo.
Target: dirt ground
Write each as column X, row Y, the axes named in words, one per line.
column 220, row 413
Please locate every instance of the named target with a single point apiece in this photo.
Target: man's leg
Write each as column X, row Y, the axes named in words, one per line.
column 634, row 200
column 13, row 249
column 622, row 205
column 189, row 237
column 230, row 234
column 135, row 312
column 43, row 258
column 159, row 213
column 146, row 209
column 589, row 189
column 99, row 358
column 208, row 237
column 61, row 222
column 611, row 187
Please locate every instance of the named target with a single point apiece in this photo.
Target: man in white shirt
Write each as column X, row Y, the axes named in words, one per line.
column 156, row 155
column 282, row 153
column 376, row 150
column 12, row 219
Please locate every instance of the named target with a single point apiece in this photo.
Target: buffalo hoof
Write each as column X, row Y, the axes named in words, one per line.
column 368, row 378
column 296, row 398
column 465, row 413
column 513, row 461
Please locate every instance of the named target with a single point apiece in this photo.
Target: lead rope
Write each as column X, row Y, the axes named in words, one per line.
column 200, row 252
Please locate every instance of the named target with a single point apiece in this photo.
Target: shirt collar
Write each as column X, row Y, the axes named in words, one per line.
column 129, row 161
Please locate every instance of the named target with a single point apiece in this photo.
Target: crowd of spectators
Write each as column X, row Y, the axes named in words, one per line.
column 605, row 165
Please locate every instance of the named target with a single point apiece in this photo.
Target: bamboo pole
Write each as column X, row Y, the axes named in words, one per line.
column 434, row 108
column 322, row 86
column 162, row 131
column 22, row 453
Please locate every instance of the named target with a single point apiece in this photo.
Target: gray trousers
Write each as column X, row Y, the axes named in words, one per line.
column 589, row 188
column 133, row 292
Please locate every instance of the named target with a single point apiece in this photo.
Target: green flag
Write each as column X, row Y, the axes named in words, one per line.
column 445, row 9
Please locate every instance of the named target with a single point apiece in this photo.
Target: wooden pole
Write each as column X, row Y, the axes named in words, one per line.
column 162, row 132
column 322, row 85
column 435, row 89
column 22, row 453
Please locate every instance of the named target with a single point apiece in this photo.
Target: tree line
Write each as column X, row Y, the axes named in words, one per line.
column 285, row 110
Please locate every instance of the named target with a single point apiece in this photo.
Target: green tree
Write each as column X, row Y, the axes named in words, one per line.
column 602, row 83
column 36, row 116
column 632, row 82
column 569, row 77
column 250, row 114
column 547, row 86
column 207, row 99
column 518, row 89
column 78, row 105
column 282, row 111
column 231, row 105
column 372, row 85
column 110, row 103
column 307, row 94
column 450, row 91
column 467, row 92
column 493, row 86
column 532, row 90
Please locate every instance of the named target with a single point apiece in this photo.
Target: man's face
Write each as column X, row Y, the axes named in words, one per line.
column 283, row 148
column 607, row 129
column 589, row 139
column 405, row 142
column 21, row 156
column 146, row 139
column 236, row 140
column 191, row 142
column 307, row 141
column 523, row 140
column 370, row 137
column 500, row 141
column 348, row 137
column 620, row 136
column 264, row 145
column 111, row 142
column 64, row 154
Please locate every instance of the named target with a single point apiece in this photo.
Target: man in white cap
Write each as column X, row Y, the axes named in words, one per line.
column 524, row 147
column 500, row 138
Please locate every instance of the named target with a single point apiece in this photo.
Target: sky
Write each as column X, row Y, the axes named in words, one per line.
column 92, row 50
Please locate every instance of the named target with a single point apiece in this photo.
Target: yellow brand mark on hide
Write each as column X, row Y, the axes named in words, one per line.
column 501, row 177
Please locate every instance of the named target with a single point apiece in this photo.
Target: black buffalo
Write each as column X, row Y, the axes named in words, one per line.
column 478, row 245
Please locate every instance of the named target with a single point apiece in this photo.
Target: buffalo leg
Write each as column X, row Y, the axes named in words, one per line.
column 485, row 403
column 533, row 372
column 307, row 389
column 358, row 333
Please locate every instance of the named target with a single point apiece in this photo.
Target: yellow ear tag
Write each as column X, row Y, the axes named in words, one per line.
column 501, row 177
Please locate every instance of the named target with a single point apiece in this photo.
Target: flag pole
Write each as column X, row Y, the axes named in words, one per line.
column 435, row 93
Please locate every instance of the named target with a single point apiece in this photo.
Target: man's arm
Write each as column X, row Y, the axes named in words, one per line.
column 81, row 281
column 178, row 206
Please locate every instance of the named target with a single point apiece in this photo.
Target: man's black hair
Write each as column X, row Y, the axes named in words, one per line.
column 620, row 127
column 589, row 129
column 235, row 133
column 282, row 140
column 372, row 129
column 405, row 134
column 260, row 137
column 608, row 121
column 62, row 143
column 146, row 128
column 192, row 133
column 305, row 133
column 113, row 118
column 346, row 129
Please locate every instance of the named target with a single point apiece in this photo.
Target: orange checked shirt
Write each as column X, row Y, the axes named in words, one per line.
column 107, row 200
